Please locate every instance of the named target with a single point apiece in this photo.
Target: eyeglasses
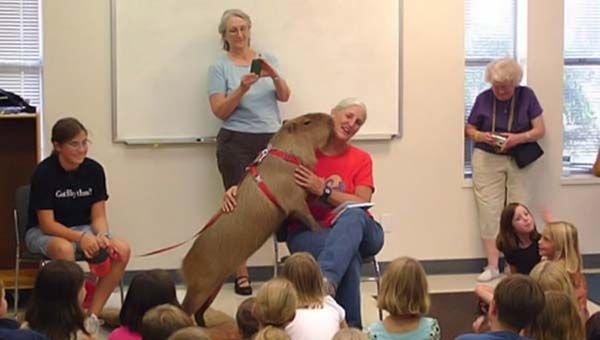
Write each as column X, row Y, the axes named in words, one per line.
column 76, row 145
column 236, row 30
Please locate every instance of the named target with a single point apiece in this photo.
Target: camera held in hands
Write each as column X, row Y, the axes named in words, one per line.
column 499, row 139
column 256, row 66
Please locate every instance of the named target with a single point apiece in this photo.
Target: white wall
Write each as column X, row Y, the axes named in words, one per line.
column 162, row 195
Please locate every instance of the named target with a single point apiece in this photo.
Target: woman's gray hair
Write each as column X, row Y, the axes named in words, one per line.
column 505, row 69
column 347, row 102
column 223, row 24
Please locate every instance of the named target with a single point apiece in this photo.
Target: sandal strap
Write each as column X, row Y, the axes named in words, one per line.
column 241, row 279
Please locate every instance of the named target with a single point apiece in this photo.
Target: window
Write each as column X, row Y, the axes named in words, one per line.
column 490, row 33
column 581, row 116
column 20, row 52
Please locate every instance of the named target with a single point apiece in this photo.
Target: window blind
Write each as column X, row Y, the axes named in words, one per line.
column 20, row 52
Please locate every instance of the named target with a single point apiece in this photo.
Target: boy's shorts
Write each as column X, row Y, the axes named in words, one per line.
column 37, row 242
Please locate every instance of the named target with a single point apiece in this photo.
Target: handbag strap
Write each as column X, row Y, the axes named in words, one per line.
column 510, row 116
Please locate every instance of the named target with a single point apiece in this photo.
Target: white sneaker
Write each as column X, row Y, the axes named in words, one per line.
column 488, row 274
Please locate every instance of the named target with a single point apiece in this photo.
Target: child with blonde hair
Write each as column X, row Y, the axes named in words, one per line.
column 189, row 333
column 271, row 333
column 404, row 295
column 317, row 316
column 350, row 334
column 276, row 303
column 560, row 243
column 552, row 276
column 559, row 319
column 163, row 320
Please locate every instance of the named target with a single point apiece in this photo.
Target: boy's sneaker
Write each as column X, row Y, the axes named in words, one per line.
column 488, row 274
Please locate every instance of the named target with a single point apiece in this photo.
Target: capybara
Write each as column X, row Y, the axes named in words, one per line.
column 235, row 236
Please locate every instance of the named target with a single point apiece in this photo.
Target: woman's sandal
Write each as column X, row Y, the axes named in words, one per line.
column 242, row 290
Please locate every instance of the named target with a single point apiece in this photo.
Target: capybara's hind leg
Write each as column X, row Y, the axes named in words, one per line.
column 199, row 315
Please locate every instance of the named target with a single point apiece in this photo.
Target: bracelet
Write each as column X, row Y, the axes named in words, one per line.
column 275, row 78
column 476, row 135
column 81, row 237
column 527, row 136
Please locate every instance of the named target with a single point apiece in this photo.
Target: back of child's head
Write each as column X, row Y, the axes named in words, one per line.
column 560, row 319
column 592, row 327
column 146, row 290
column 55, row 307
column 404, row 288
column 349, row 334
column 552, row 276
column 246, row 321
column 276, row 303
column 507, row 240
column 163, row 320
column 563, row 236
column 303, row 271
column 518, row 300
column 271, row 333
column 189, row 333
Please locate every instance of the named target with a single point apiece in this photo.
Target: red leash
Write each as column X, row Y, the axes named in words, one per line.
column 253, row 170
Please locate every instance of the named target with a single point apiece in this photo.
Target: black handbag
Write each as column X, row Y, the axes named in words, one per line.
column 526, row 153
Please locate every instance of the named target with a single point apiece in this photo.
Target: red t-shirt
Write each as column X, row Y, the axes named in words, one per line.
column 343, row 172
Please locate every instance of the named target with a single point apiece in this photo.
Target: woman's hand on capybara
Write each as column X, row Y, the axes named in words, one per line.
column 308, row 180
column 229, row 201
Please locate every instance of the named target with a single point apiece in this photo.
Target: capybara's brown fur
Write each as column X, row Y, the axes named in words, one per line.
column 220, row 249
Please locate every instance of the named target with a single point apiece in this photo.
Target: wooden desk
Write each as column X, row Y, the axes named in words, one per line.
column 19, row 154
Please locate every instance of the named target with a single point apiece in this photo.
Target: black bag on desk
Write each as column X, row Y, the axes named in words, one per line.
column 14, row 102
column 526, row 153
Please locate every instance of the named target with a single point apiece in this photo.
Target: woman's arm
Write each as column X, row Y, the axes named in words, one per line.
column 316, row 186
column 478, row 136
column 537, row 131
column 223, row 106
column 281, row 87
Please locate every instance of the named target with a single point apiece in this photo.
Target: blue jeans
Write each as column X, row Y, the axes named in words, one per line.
column 339, row 251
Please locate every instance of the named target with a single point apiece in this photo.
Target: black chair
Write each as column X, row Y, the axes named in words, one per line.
column 21, row 216
column 281, row 236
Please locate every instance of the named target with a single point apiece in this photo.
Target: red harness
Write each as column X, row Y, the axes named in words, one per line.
column 251, row 169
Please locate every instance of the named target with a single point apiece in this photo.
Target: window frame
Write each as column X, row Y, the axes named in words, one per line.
column 519, row 49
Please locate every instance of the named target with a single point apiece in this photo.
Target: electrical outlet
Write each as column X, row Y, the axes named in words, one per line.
column 387, row 222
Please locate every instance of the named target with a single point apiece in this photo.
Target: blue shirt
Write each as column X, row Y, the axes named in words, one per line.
column 499, row 335
column 428, row 329
column 258, row 111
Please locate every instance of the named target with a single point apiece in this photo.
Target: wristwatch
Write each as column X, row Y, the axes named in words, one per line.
column 326, row 193
column 106, row 234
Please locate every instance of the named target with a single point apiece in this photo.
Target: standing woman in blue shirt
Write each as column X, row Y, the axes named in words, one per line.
column 246, row 103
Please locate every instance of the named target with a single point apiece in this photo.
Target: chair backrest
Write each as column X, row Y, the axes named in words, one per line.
column 21, row 211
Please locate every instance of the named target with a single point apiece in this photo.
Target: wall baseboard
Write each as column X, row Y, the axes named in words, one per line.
column 432, row 267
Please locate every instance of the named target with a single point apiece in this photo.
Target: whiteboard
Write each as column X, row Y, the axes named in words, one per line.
column 327, row 50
